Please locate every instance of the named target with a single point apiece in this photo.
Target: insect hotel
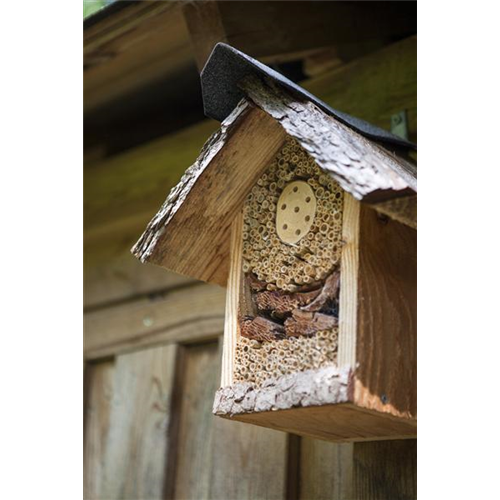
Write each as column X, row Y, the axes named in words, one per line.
column 308, row 216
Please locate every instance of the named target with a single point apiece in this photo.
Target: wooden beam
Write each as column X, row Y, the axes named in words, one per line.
column 142, row 42
column 269, row 30
column 189, row 314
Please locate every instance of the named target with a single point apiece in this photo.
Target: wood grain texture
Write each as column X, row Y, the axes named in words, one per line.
column 360, row 166
column 387, row 335
column 122, row 278
column 193, row 453
column 326, row 470
column 379, row 470
column 139, row 44
column 190, row 233
column 385, row 470
column 336, row 423
column 249, row 462
column 403, row 210
column 126, row 427
column 216, row 458
column 348, row 295
column 187, row 314
column 97, row 412
column 233, row 292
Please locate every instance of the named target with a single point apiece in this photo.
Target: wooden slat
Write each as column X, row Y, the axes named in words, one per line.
column 379, row 470
column 385, row 470
column 248, row 462
column 272, row 30
column 374, row 87
column 137, row 45
column 216, row 458
column 97, row 411
column 348, row 295
column 189, row 314
column 337, row 423
column 123, row 278
column 127, row 417
column 193, row 453
column 326, row 470
column 386, row 351
column 232, row 302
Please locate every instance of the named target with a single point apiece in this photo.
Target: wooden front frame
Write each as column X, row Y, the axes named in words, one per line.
column 377, row 334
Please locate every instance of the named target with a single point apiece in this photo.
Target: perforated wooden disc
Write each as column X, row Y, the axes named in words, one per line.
column 295, row 212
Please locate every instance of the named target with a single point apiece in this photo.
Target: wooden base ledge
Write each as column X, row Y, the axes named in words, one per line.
column 328, row 385
column 314, row 403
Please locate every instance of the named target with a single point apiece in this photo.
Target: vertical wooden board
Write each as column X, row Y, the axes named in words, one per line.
column 216, row 458
column 325, row 470
column 136, row 445
column 232, row 302
column 201, row 368
column 248, row 462
column 387, row 322
column 97, row 410
column 385, row 470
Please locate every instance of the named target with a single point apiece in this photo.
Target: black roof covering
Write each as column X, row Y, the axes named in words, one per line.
column 227, row 66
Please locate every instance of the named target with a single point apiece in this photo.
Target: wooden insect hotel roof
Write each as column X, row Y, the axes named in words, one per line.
column 260, row 109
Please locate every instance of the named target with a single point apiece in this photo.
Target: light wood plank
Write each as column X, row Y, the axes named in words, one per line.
column 348, row 296
column 136, row 446
column 97, row 411
column 193, row 454
column 248, row 462
column 188, row 314
column 326, row 470
column 379, row 470
column 232, row 302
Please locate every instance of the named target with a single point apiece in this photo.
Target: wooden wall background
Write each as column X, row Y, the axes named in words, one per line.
column 152, row 341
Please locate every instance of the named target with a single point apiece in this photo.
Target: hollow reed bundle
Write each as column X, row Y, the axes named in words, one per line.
column 287, row 266
column 291, row 280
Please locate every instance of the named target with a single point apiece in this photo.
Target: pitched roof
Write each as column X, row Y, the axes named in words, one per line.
column 190, row 234
column 227, row 67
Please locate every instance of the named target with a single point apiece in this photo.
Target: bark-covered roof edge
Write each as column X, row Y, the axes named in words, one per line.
column 227, row 67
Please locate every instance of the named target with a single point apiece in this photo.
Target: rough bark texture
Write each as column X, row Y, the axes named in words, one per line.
column 144, row 248
column 308, row 323
column 281, row 303
column 329, row 292
column 261, row 329
column 328, row 385
column 360, row 166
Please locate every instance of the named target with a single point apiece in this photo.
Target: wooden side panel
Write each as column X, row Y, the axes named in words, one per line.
column 216, row 458
column 135, row 446
column 387, row 329
column 385, row 470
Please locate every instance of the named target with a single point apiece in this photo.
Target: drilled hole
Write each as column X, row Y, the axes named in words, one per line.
column 283, row 206
column 285, row 227
column 297, row 232
column 295, row 189
column 308, row 199
column 308, row 218
column 296, row 209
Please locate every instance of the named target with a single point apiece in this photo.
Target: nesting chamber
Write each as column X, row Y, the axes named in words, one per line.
column 292, row 242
